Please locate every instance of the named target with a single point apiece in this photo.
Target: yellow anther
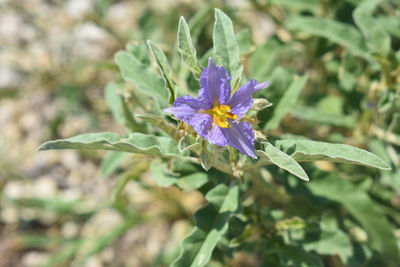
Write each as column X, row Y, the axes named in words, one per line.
column 221, row 114
column 225, row 108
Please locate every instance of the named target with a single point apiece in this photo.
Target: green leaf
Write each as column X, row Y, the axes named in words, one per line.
column 378, row 40
column 186, row 182
column 133, row 173
column 113, row 92
column 189, row 142
column 147, row 81
column 134, row 143
column 161, row 124
column 331, row 240
column 391, row 24
column 186, row 48
column 206, row 157
column 165, row 70
column 337, row 32
column 139, row 51
column 306, row 150
column 211, row 224
column 115, row 100
column 113, row 160
column 364, row 210
column 281, row 160
column 225, row 45
column 286, row 103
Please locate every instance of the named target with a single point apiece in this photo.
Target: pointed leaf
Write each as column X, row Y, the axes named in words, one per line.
column 211, row 224
column 186, row 48
column 134, row 143
column 281, row 160
column 225, row 45
column 307, row 150
column 147, row 81
column 165, row 70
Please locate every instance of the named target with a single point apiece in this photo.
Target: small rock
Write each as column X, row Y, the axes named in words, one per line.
column 34, row 258
column 77, row 9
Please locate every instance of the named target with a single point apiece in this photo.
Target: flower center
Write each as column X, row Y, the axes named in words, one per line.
column 221, row 114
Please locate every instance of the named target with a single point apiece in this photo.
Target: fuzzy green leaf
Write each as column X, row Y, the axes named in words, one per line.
column 282, row 160
column 186, row 48
column 165, row 70
column 145, row 78
column 134, row 143
column 306, row 150
column 226, row 47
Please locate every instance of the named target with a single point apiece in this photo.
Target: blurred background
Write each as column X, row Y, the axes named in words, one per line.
column 56, row 56
column 55, row 59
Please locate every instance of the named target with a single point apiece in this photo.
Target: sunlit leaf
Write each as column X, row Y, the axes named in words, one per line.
column 282, row 160
column 226, row 48
column 186, row 48
column 165, row 70
column 306, row 150
column 134, row 143
column 145, row 78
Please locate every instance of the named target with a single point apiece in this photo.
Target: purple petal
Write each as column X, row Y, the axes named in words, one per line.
column 217, row 137
column 216, row 83
column 242, row 100
column 203, row 98
column 188, row 109
column 202, row 124
column 241, row 136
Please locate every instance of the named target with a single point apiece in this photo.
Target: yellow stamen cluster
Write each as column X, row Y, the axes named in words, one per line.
column 221, row 114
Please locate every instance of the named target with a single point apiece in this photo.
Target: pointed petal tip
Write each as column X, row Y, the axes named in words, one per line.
column 211, row 61
column 262, row 85
column 168, row 110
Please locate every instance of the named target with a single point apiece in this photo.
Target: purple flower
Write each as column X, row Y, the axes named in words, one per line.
column 215, row 114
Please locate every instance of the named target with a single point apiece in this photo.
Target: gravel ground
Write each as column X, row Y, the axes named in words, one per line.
column 51, row 87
